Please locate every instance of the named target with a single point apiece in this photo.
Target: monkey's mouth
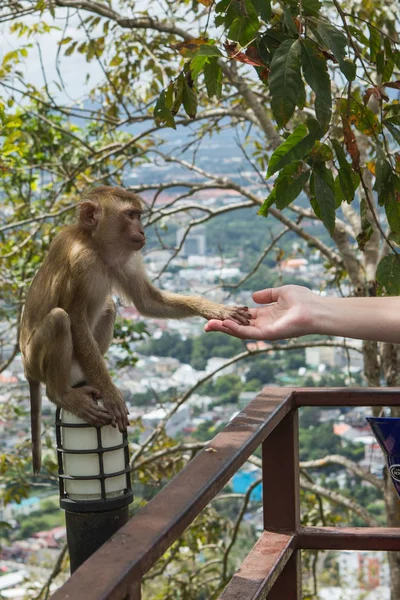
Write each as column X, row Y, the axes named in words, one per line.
column 139, row 240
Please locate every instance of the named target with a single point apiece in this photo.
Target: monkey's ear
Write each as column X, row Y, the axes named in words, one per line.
column 89, row 214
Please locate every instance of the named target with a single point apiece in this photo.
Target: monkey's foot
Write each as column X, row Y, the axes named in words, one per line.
column 116, row 406
column 82, row 402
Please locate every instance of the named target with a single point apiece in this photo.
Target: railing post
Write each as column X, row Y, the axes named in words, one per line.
column 281, row 498
column 135, row 591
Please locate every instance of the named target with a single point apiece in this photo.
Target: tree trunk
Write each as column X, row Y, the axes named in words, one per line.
column 372, row 365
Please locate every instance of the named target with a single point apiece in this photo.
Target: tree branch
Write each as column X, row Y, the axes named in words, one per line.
column 338, row 498
column 337, row 459
column 125, row 22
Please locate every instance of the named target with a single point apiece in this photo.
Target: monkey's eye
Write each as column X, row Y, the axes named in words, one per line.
column 132, row 214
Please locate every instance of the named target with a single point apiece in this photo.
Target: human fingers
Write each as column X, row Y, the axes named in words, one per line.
column 267, row 296
column 240, row 331
column 216, row 325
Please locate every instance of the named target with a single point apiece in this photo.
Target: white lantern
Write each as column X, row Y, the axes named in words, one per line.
column 94, row 472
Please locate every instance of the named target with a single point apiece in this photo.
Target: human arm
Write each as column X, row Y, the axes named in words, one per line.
column 293, row 311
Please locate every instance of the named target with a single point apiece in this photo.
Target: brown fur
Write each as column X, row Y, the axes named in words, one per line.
column 69, row 314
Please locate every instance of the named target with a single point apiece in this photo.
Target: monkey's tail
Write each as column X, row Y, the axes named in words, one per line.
column 36, row 425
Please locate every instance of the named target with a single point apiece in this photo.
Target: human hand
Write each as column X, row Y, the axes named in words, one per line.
column 290, row 312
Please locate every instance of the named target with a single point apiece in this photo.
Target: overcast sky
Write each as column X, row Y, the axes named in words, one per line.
column 73, row 68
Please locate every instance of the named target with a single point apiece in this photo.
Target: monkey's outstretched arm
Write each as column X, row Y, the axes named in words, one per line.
column 152, row 302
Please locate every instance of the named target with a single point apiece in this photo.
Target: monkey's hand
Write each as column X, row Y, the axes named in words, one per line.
column 83, row 403
column 239, row 314
column 114, row 402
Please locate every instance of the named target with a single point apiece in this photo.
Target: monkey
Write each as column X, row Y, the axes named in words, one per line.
column 68, row 319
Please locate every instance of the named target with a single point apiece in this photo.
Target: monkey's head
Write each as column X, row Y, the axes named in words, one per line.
column 112, row 216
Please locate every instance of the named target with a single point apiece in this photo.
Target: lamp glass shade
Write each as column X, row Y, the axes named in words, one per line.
column 89, row 464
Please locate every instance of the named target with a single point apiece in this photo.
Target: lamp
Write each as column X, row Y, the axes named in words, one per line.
column 94, row 482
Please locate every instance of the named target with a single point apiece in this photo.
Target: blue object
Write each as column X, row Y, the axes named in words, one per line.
column 387, row 432
column 241, row 482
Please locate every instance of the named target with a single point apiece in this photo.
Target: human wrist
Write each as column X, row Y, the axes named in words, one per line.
column 325, row 316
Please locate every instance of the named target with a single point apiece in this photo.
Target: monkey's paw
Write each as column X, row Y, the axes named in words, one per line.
column 82, row 402
column 239, row 314
column 114, row 402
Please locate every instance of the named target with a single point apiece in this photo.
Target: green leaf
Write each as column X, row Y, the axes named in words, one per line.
column 395, row 131
column 346, row 183
column 322, row 152
column 275, row 162
column 380, row 62
column 302, row 98
column 325, row 196
column 345, row 172
column 359, row 35
column 388, row 69
column 197, row 65
column 366, row 228
column 262, row 8
column 339, row 196
column 178, row 88
column 296, row 146
column 360, row 115
column 268, row 202
column 336, row 41
column 285, row 80
column 213, row 78
column 272, row 39
column 374, row 42
column 383, row 177
column 189, row 100
column 288, row 187
column 162, row 114
column 169, row 96
column 205, row 50
column 289, row 22
column 392, row 209
column 65, row 40
column 244, row 27
column 311, row 7
column 70, row 49
column 222, row 6
column 316, row 75
column 117, row 60
column 387, row 44
column 388, row 275
column 340, row 154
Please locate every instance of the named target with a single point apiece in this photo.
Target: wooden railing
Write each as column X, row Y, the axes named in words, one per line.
column 272, row 569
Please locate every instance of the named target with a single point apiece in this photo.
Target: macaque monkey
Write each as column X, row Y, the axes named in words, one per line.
column 68, row 319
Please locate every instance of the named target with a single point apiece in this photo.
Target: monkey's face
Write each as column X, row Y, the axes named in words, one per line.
column 131, row 227
column 115, row 225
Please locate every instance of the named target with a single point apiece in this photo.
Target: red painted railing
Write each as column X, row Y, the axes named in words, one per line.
column 272, row 569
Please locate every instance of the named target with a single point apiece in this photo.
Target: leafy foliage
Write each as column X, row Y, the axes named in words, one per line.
column 310, row 89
